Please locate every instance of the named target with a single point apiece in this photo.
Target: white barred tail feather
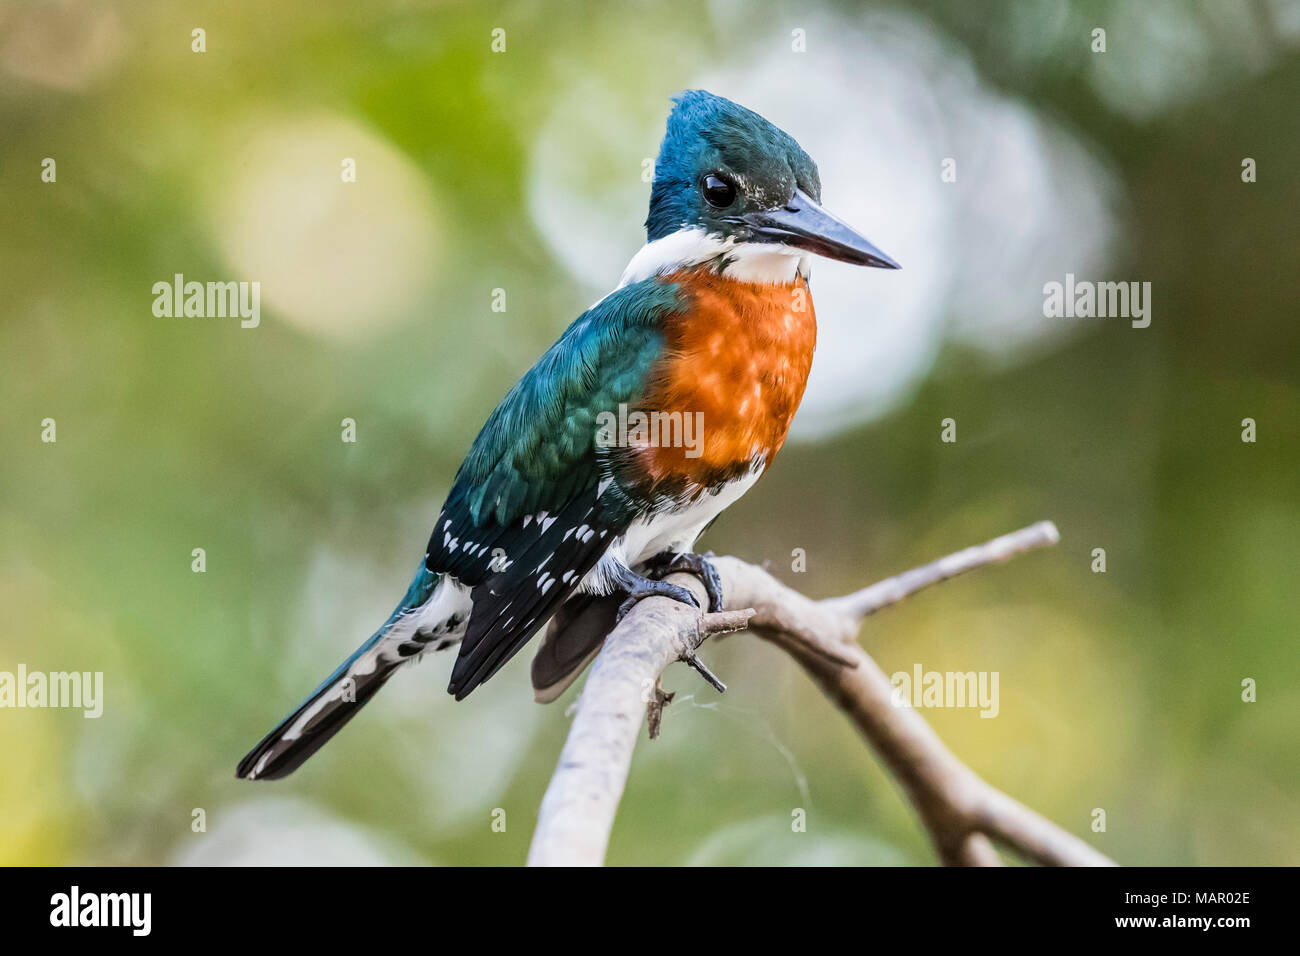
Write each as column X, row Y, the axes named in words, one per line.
column 432, row 616
column 318, row 719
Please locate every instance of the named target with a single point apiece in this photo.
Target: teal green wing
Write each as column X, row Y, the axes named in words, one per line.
column 524, row 521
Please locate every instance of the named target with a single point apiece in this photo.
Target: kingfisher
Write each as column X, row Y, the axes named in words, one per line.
column 563, row 502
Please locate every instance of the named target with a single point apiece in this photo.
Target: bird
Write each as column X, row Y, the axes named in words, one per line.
column 658, row 408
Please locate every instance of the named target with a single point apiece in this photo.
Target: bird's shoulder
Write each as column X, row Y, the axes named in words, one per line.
column 536, row 450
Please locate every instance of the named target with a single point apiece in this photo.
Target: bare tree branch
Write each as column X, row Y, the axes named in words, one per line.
column 964, row 815
column 871, row 599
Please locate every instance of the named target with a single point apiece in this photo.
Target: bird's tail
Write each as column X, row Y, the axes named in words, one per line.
column 343, row 693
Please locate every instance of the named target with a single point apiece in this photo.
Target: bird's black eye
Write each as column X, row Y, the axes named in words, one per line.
column 717, row 191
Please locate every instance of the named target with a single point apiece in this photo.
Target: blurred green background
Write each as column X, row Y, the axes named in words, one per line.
column 522, row 170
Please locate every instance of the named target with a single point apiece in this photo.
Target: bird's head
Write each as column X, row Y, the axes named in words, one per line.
column 728, row 172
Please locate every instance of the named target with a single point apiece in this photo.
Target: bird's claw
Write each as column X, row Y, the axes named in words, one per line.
column 668, row 562
column 642, row 588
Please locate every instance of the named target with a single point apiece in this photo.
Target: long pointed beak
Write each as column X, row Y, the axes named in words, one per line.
column 804, row 224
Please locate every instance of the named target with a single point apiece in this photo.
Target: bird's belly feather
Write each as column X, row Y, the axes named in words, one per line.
column 672, row 529
column 737, row 361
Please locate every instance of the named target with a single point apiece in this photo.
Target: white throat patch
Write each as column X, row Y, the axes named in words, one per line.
column 743, row 261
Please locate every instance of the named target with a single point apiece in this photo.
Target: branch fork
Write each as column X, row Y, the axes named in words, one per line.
column 964, row 814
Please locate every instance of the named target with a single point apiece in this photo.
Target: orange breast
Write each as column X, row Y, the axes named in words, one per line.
column 737, row 362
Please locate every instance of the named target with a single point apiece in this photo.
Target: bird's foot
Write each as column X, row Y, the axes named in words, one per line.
column 639, row 587
column 669, row 562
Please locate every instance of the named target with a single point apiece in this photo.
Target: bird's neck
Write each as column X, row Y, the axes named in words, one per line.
column 692, row 248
